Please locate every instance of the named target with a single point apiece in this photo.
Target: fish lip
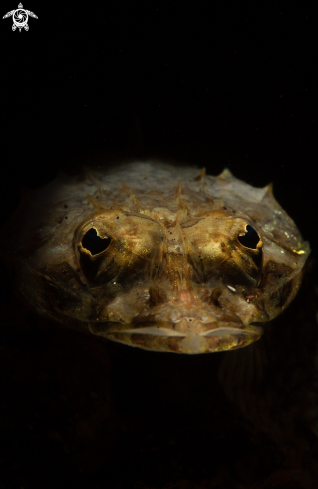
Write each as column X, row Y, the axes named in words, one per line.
column 151, row 328
column 217, row 329
column 162, row 337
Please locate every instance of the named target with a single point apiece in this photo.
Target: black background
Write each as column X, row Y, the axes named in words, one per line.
column 218, row 85
column 215, row 86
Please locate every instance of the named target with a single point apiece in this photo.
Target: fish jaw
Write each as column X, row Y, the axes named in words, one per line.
column 185, row 327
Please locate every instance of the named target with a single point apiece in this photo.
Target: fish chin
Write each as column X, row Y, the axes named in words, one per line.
column 186, row 336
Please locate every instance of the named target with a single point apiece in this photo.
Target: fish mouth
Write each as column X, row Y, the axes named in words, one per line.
column 188, row 335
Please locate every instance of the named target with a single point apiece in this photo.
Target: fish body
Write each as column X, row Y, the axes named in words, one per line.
column 156, row 256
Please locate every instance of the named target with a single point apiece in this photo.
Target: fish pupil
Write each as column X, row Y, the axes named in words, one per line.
column 94, row 243
column 250, row 238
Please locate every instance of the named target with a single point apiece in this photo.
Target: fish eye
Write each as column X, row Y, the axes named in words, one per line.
column 94, row 243
column 250, row 239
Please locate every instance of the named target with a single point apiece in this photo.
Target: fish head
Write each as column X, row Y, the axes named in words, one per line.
column 185, row 270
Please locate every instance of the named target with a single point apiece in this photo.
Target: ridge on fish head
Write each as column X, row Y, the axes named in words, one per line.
column 155, row 256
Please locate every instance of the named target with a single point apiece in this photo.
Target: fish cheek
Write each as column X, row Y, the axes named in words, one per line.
column 279, row 285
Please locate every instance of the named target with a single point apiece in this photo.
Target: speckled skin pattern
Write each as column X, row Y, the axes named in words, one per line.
column 173, row 272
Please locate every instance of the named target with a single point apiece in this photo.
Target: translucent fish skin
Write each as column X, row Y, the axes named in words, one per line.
column 172, row 270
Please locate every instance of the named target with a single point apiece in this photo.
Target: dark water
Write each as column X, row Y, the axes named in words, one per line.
column 211, row 86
